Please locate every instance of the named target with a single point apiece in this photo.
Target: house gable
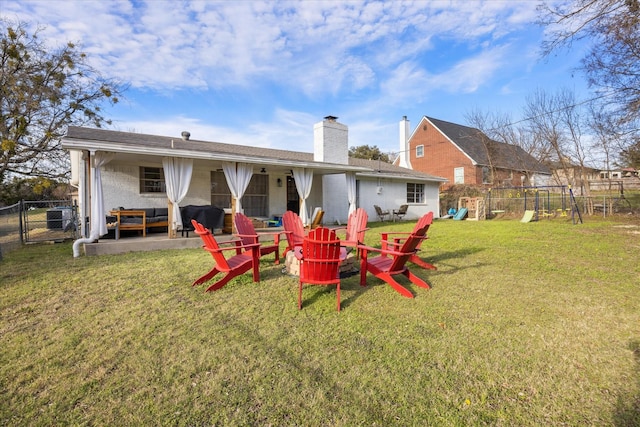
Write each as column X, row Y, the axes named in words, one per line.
column 440, row 154
column 451, row 150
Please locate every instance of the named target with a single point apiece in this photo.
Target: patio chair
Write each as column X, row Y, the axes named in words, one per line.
column 400, row 213
column 320, row 261
column 355, row 230
column 381, row 214
column 294, row 230
column 248, row 235
column 316, row 221
column 392, row 262
column 240, row 263
column 395, row 239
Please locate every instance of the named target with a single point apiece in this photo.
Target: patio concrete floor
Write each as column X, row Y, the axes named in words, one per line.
column 157, row 241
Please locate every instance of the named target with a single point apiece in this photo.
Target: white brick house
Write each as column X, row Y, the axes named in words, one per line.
column 134, row 176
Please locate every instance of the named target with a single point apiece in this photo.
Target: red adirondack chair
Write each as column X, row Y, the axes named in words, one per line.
column 247, row 233
column 241, row 262
column 395, row 239
column 320, row 261
column 356, row 228
column 392, row 262
column 294, row 229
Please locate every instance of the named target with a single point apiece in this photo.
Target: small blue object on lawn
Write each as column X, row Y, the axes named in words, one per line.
column 462, row 212
column 275, row 222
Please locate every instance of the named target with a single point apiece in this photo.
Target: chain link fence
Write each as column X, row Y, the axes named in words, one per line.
column 9, row 228
column 37, row 221
column 547, row 202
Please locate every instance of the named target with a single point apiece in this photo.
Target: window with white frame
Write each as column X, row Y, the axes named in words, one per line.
column 255, row 201
column 220, row 193
column 420, row 151
column 415, row 193
column 152, row 180
column 458, row 175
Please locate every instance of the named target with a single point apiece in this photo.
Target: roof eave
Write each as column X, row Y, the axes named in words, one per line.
column 400, row 177
column 326, row 168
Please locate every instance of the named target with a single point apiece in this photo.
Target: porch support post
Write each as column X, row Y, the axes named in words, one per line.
column 173, row 233
column 233, row 215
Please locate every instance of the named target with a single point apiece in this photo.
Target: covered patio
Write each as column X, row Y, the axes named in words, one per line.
column 153, row 242
column 123, row 171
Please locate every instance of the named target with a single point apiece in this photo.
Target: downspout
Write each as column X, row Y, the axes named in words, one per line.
column 86, row 206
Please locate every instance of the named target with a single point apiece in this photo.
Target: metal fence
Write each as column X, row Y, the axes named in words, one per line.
column 37, row 221
column 550, row 203
column 518, row 200
column 10, row 228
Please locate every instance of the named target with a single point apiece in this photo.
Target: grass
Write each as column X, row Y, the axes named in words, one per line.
column 526, row 324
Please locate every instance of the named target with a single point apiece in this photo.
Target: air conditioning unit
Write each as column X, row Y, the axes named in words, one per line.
column 58, row 218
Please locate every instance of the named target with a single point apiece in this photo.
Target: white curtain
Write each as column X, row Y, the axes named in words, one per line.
column 238, row 176
column 304, row 181
column 351, row 191
column 177, row 177
column 98, row 218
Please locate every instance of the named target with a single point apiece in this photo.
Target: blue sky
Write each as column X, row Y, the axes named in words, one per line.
column 264, row 72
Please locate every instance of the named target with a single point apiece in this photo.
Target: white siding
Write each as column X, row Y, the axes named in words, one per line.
column 394, row 194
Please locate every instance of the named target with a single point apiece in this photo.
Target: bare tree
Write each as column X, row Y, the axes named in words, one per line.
column 507, row 144
column 480, row 121
column 612, row 63
column 630, row 156
column 559, row 122
column 607, row 143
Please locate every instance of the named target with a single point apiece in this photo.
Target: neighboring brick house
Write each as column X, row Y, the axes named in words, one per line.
column 465, row 155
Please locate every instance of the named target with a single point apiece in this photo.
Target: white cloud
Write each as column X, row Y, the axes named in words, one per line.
column 287, row 129
column 369, row 61
column 407, row 82
column 471, row 73
column 317, row 46
column 411, row 82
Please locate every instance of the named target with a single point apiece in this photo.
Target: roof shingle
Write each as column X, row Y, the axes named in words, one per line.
column 485, row 151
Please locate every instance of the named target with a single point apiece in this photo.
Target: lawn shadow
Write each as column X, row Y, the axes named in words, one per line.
column 319, row 292
column 302, row 368
column 355, row 290
column 426, row 275
column 627, row 411
column 351, row 282
column 348, row 281
column 444, row 256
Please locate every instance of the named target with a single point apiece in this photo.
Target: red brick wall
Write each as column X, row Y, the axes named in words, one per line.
column 440, row 156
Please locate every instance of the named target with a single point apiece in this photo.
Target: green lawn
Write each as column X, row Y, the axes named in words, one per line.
column 526, row 324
